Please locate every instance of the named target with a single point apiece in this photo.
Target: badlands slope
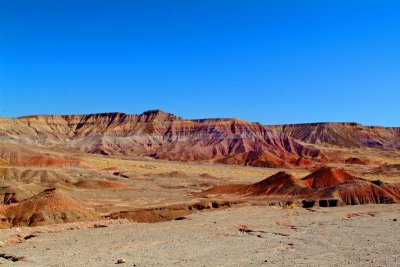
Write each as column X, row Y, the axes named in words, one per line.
column 161, row 135
column 343, row 134
column 157, row 166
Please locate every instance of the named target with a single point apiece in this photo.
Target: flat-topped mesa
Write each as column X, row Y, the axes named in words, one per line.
column 95, row 117
column 216, row 120
column 350, row 125
column 60, row 127
column 73, row 119
column 109, row 123
column 149, row 115
column 345, row 134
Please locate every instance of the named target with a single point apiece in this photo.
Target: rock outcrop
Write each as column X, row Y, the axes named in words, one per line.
column 160, row 135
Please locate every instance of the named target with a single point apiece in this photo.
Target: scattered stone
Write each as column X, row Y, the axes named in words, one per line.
column 99, row 226
column 11, row 257
column 395, row 220
column 244, row 229
column 120, row 261
column 29, row 237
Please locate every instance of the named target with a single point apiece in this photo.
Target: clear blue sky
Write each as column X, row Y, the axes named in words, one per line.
column 268, row 61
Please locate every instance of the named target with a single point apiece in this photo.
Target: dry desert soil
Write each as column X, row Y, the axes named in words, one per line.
column 367, row 235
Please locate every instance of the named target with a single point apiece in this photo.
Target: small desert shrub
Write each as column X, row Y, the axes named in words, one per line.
column 289, row 205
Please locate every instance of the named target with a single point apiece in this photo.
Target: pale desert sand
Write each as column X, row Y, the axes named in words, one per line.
column 366, row 235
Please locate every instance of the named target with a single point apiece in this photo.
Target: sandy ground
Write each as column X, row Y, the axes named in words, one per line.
column 367, row 235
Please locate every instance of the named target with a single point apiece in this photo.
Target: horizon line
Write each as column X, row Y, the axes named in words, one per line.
column 196, row 119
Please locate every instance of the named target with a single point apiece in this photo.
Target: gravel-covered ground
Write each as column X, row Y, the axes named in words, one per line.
column 367, row 235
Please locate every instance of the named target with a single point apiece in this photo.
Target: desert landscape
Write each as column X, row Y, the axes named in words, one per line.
column 156, row 189
column 199, row 133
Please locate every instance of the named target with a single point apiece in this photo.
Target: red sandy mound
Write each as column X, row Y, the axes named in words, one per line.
column 357, row 161
column 358, row 192
column 101, row 184
column 330, row 186
column 279, row 184
column 256, row 159
column 337, row 184
column 49, row 161
column 348, row 189
column 393, row 189
column 49, row 207
column 222, row 190
column 302, row 162
column 325, row 177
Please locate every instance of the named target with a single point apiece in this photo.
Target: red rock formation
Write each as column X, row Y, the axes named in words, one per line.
column 163, row 136
column 333, row 186
column 280, row 184
column 357, row 161
column 49, row 207
column 325, row 177
column 358, row 192
column 343, row 134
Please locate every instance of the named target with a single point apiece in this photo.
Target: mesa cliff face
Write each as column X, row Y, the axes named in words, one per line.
column 343, row 134
column 163, row 135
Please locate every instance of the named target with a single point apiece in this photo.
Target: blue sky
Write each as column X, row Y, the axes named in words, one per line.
column 268, row 61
